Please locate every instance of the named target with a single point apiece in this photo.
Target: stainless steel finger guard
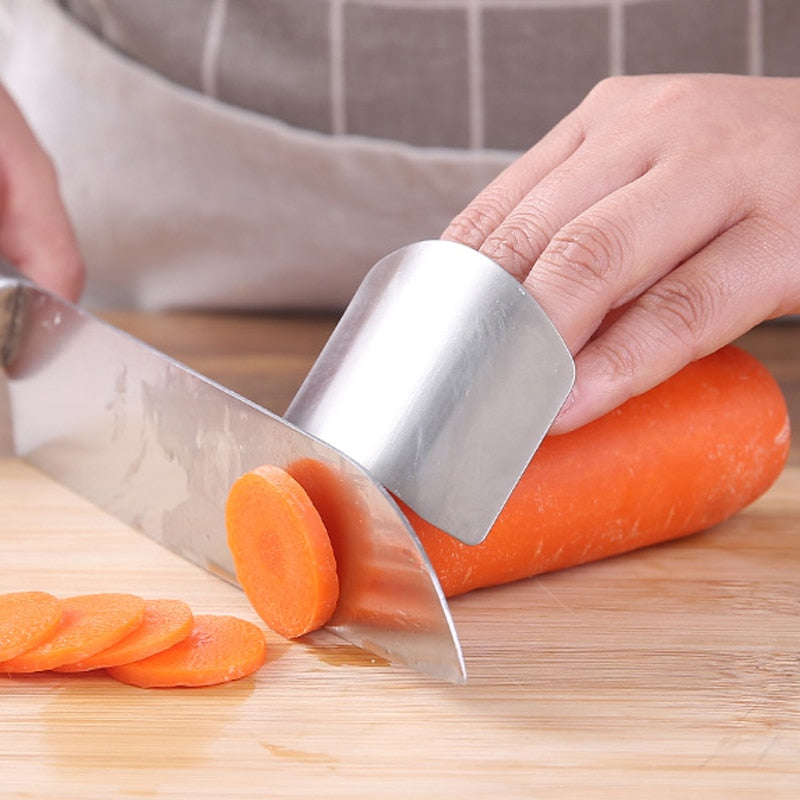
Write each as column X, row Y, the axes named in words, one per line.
column 441, row 379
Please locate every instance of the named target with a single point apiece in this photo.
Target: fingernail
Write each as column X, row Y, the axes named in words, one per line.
column 563, row 412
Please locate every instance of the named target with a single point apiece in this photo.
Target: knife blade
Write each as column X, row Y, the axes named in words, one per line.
column 158, row 446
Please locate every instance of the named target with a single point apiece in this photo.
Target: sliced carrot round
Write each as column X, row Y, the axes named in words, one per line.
column 26, row 620
column 281, row 551
column 164, row 624
column 219, row 649
column 89, row 623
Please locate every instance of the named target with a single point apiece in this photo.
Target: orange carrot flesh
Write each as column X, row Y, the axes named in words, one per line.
column 164, row 624
column 219, row 649
column 26, row 620
column 674, row 461
column 89, row 623
column 281, row 551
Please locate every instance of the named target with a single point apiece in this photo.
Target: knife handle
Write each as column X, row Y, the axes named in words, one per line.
column 11, row 282
column 10, row 275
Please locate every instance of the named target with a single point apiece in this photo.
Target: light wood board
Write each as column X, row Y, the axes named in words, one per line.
column 670, row 672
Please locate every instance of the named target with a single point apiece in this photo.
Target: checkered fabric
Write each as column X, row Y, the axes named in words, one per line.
column 455, row 73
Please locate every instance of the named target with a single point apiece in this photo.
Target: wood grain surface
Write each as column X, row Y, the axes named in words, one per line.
column 672, row 670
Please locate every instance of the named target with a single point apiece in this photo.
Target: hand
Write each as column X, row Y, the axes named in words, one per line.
column 654, row 224
column 35, row 233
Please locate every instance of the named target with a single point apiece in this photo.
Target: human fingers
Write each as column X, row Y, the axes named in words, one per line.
column 35, row 232
column 588, row 153
column 626, row 242
column 599, row 167
column 496, row 201
column 744, row 276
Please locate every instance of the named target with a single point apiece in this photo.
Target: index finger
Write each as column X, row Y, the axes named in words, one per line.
column 488, row 210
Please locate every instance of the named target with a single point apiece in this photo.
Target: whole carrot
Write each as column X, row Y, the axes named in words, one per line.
column 676, row 460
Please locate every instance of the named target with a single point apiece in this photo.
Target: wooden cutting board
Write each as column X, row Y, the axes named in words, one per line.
column 675, row 670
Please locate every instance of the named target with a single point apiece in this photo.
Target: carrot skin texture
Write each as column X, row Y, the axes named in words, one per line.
column 26, row 620
column 674, row 461
column 219, row 649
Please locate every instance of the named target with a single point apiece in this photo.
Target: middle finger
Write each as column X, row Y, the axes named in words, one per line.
column 628, row 240
column 596, row 169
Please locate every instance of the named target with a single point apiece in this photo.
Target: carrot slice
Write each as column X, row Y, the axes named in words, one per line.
column 164, row 624
column 26, row 620
column 89, row 623
column 281, row 551
column 219, row 649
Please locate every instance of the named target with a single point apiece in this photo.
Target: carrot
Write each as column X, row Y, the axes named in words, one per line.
column 164, row 624
column 26, row 620
column 281, row 551
column 89, row 623
column 676, row 460
column 219, row 649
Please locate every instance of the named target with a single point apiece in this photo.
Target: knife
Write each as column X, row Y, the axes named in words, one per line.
column 158, row 446
column 438, row 385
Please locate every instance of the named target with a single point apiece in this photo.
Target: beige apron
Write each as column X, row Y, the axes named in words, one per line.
column 182, row 201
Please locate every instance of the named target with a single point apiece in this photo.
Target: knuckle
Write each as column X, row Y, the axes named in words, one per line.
column 591, row 253
column 654, row 94
column 608, row 86
column 470, row 227
column 515, row 248
column 622, row 360
column 479, row 219
column 670, row 92
column 685, row 309
column 666, row 327
column 519, row 242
